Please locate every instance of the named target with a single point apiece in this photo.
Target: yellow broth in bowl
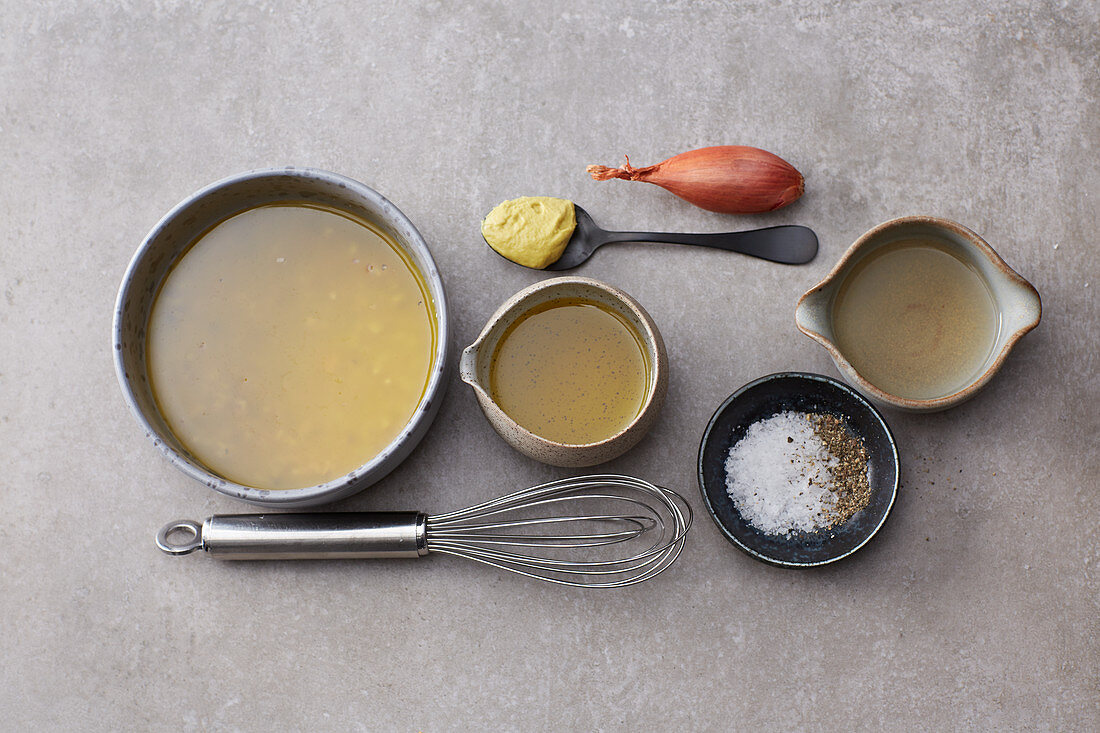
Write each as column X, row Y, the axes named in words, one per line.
column 571, row 371
column 289, row 345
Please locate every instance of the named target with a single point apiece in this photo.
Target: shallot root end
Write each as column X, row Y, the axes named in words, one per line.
column 627, row 172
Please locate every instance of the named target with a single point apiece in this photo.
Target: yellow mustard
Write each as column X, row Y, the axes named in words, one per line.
column 531, row 231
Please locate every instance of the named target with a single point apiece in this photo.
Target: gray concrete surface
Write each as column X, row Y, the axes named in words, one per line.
column 976, row 607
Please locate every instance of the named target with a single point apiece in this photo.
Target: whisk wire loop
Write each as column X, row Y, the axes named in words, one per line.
column 481, row 533
column 634, row 546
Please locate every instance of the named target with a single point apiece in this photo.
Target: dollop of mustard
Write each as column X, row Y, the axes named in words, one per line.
column 532, row 230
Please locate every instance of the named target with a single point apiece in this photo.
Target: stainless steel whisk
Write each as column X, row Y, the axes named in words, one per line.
column 602, row 531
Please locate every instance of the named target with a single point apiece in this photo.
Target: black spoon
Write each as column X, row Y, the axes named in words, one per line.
column 789, row 244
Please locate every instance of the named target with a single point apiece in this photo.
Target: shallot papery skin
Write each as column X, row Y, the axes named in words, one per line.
column 728, row 179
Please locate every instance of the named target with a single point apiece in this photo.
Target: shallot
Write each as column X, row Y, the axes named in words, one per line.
column 728, row 179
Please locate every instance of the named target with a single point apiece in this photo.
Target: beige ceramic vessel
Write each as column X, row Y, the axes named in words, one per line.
column 1016, row 301
column 476, row 360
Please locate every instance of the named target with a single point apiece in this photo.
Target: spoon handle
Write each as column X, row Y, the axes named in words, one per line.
column 789, row 244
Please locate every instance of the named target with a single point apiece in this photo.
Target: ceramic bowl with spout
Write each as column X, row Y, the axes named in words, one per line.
column 1016, row 303
column 476, row 361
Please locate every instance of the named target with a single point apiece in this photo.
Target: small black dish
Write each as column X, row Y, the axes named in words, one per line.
column 798, row 392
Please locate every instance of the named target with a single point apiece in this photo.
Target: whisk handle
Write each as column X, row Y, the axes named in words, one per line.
column 300, row 536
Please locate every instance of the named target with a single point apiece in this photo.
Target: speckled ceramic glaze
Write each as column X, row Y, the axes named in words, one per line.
column 476, row 360
column 169, row 240
column 798, row 392
column 1016, row 301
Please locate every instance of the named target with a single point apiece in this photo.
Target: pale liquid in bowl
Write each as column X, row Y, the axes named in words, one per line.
column 571, row 371
column 914, row 320
column 290, row 345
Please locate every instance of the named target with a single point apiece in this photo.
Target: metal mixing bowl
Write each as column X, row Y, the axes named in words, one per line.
column 168, row 242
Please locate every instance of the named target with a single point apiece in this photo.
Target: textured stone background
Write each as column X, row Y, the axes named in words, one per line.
column 977, row 605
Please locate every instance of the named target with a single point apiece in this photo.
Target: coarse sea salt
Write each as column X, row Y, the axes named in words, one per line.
column 778, row 475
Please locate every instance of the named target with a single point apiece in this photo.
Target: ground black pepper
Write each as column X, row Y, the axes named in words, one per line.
column 849, row 473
